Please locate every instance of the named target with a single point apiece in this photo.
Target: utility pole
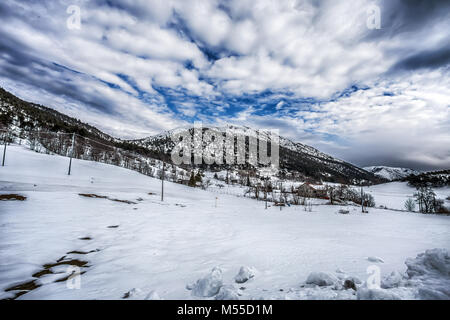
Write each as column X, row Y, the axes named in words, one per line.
column 362, row 200
column 281, row 194
column 265, row 187
column 4, row 149
column 71, row 153
column 162, row 182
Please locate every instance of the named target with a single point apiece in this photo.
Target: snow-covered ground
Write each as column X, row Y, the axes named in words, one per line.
column 151, row 249
column 394, row 194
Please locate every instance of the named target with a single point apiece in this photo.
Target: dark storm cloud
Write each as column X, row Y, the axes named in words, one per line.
column 26, row 68
column 394, row 159
column 425, row 59
column 400, row 16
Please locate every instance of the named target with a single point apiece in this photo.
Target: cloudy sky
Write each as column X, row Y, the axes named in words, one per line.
column 316, row 70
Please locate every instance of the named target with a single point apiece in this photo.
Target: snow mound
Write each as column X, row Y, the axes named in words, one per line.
column 365, row 293
column 245, row 274
column 343, row 276
column 321, row 279
column 375, row 259
column 153, row 295
column 431, row 262
column 439, row 293
column 394, row 280
column 209, row 285
column 430, row 273
column 228, row 292
column 427, row 277
column 339, row 270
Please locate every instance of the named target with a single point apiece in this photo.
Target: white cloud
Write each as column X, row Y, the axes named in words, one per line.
column 410, row 126
column 304, row 48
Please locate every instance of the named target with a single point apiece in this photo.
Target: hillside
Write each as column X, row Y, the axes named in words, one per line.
column 130, row 245
column 34, row 122
column 297, row 161
column 48, row 131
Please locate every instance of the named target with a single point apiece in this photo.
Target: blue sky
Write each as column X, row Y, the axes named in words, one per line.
column 312, row 69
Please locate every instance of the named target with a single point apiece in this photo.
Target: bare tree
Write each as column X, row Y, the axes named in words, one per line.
column 331, row 192
column 426, row 198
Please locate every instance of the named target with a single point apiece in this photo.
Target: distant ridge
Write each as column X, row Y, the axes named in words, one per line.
column 391, row 173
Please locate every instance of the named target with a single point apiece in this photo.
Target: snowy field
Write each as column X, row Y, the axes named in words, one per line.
column 140, row 247
column 394, row 194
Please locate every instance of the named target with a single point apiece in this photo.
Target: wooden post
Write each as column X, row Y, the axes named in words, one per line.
column 4, row 149
column 71, row 153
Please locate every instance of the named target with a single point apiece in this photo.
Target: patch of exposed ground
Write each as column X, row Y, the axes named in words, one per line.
column 91, row 195
column 12, row 197
column 47, row 269
column 96, row 196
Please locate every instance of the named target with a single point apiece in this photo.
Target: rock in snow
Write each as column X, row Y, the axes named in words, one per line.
column 209, row 285
column 349, row 284
column 321, row 279
column 245, row 274
column 133, row 293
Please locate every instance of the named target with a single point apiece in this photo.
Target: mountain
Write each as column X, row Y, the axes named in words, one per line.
column 297, row 160
column 26, row 120
column 391, row 173
column 51, row 131
column 31, row 116
column 48, row 131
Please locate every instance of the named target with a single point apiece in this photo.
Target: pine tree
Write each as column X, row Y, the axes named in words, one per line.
column 198, row 177
column 410, row 204
column 191, row 182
